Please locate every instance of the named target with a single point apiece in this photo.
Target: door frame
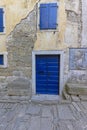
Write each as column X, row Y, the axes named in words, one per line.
column 34, row 53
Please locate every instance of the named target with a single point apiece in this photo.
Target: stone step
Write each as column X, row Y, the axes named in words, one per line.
column 76, row 89
column 49, row 100
column 44, row 99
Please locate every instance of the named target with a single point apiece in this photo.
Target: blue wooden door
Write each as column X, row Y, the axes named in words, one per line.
column 47, row 74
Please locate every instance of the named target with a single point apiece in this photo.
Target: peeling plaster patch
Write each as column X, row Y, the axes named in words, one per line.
column 71, row 34
column 84, row 23
column 72, row 5
column 75, row 16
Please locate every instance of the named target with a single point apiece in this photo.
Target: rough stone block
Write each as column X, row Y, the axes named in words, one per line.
column 83, row 97
column 33, row 110
column 76, row 89
column 18, row 73
column 19, row 87
column 65, row 112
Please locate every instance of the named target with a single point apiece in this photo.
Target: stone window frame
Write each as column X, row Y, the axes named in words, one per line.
column 4, row 20
column 61, row 83
column 4, row 59
column 38, row 16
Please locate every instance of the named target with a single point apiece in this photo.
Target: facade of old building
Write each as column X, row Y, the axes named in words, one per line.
column 42, row 46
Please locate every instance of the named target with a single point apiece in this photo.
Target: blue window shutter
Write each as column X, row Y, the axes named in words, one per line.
column 1, row 60
column 53, row 15
column 44, row 16
column 1, row 20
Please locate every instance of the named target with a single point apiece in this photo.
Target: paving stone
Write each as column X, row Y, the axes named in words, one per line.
column 47, row 111
column 2, row 112
column 35, row 123
column 76, row 126
column 62, row 125
column 10, row 115
column 16, row 123
column 80, row 124
column 84, row 104
column 1, row 105
column 33, row 110
column 75, row 98
column 77, row 115
column 20, row 124
column 8, row 105
column 3, row 126
column 76, row 106
column 64, row 112
column 22, row 110
column 46, row 124
column 69, row 124
column 55, row 112
column 82, row 107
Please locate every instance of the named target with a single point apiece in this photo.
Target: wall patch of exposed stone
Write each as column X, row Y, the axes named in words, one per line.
column 20, row 45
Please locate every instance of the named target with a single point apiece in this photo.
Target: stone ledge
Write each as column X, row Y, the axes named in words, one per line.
column 19, row 87
column 45, row 99
column 76, row 89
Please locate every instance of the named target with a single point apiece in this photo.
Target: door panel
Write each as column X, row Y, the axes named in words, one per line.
column 47, row 74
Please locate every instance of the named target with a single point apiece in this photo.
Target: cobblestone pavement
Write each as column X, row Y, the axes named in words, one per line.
column 31, row 116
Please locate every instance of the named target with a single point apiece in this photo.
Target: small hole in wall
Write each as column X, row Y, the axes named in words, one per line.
column 54, row 32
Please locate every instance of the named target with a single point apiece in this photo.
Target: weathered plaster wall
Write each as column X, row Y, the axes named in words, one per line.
column 22, row 35
column 53, row 40
column 20, row 9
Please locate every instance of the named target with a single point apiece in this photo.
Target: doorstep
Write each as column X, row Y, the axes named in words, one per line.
column 48, row 99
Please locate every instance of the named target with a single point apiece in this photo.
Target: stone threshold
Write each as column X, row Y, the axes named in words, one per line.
column 48, row 99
